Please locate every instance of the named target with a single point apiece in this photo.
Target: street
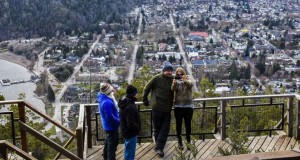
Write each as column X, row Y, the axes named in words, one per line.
column 59, row 94
column 136, row 46
column 188, row 65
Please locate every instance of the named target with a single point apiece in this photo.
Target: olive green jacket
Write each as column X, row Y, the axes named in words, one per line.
column 161, row 94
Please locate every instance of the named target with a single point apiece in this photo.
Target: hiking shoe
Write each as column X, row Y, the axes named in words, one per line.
column 160, row 152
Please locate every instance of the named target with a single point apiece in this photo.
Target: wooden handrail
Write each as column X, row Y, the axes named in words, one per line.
column 79, row 135
column 85, row 147
column 22, row 118
column 297, row 110
column 279, row 155
column 4, row 145
column 245, row 97
column 88, row 113
column 65, row 146
column 81, row 115
column 80, row 132
column 56, row 123
column 10, row 102
column 48, row 141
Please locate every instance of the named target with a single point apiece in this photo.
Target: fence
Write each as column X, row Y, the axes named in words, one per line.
column 265, row 113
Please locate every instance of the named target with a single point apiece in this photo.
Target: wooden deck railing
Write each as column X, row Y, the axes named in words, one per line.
column 291, row 103
column 84, row 135
column 5, row 146
column 25, row 129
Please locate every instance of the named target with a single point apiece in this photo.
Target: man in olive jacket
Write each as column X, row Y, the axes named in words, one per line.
column 161, row 102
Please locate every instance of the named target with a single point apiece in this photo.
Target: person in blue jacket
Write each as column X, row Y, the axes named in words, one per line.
column 110, row 120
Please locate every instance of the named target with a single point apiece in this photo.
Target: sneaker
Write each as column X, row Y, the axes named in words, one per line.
column 160, row 152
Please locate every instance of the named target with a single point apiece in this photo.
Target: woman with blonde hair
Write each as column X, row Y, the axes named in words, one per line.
column 182, row 87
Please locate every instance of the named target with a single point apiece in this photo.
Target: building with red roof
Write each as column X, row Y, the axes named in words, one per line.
column 201, row 34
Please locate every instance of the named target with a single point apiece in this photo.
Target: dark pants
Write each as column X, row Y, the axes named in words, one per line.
column 161, row 123
column 110, row 145
column 186, row 114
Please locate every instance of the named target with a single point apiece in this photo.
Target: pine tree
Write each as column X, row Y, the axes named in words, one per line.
column 164, row 57
column 248, row 72
column 51, row 94
column 233, row 71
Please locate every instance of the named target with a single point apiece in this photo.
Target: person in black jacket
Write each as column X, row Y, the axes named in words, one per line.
column 130, row 121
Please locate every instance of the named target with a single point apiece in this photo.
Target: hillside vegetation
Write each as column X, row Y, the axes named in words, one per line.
column 35, row 18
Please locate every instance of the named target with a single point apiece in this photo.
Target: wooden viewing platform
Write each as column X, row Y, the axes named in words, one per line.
column 217, row 119
column 206, row 149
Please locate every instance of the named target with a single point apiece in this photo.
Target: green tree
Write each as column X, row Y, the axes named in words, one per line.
column 210, row 8
column 2, row 98
column 261, row 67
column 211, row 41
column 233, row 71
column 237, row 16
column 140, row 55
column 298, row 63
column 207, row 88
column 247, row 73
column 153, row 58
column 172, row 59
column 163, row 58
column 237, row 136
column 176, row 48
column 50, row 94
column 141, row 79
column 282, row 44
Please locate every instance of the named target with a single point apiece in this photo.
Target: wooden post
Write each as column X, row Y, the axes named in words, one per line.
column 3, row 151
column 79, row 137
column 89, row 125
column 298, row 120
column 223, row 119
column 22, row 118
column 290, row 117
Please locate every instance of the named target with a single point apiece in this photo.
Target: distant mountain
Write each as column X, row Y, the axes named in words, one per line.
column 32, row 18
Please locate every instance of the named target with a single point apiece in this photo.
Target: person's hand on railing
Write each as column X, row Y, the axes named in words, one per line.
column 146, row 102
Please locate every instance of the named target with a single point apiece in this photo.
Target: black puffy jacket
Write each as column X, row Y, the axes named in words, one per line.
column 129, row 118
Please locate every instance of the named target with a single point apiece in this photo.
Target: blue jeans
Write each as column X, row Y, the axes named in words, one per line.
column 130, row 146
column 110, row 146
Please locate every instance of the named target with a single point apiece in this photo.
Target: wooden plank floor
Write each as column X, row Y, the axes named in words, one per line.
column 206, row 149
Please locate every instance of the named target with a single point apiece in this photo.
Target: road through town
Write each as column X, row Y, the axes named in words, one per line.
column 136, row 46
column 188, row 65
column 57, row 104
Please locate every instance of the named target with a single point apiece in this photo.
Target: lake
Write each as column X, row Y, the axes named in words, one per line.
column 16, row 72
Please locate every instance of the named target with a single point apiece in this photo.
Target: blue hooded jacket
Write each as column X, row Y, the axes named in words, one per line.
column 108, row 111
